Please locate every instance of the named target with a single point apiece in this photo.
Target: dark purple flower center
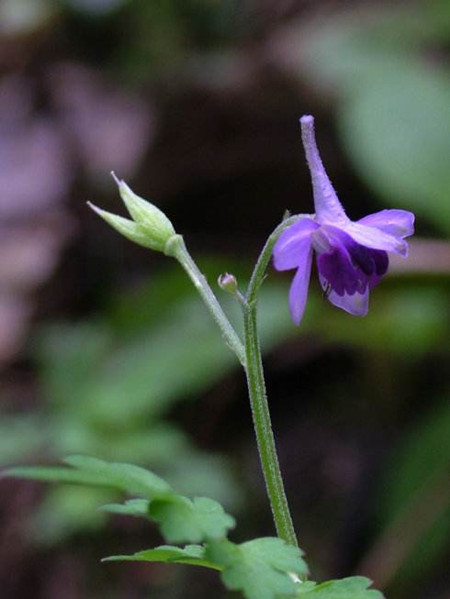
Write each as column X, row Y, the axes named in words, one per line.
column 350, row 267
column 369, row 261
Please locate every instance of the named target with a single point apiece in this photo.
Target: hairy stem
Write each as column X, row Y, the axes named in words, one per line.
column 250, row 358
column 177, row 248
column 258, row 396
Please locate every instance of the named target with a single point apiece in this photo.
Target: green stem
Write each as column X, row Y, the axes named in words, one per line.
column 250, row 358
column 258, row 396
column 177, row 248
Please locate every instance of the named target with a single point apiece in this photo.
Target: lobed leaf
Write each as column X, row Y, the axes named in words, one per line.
column 193, row 521
column 127, row 477
column 92, row 471
column 180, row 519
column 133, row 507
column 261, row 569
column 355, row 587
column 193, row 555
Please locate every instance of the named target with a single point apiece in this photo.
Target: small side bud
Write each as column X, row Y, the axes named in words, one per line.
column 227, row 282
column 150, row 227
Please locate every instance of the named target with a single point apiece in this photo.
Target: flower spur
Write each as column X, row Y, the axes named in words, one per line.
column 351, row 256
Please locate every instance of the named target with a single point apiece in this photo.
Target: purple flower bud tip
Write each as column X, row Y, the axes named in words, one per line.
column 351, row 256
column 228, row 283
column 306, row 119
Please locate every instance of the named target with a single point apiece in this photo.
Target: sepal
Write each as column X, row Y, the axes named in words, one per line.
column 149, row 226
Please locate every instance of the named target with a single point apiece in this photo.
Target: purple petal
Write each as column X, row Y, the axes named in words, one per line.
column 356, row 304
column 376, row 239
column 370, row 262
column 381, row 260
column 399, row 223
column 362, row 257
column 293, row 243
column 337, row 268
column 347, row 262
column 327, row 205
column 299, row 287
column 381, row 265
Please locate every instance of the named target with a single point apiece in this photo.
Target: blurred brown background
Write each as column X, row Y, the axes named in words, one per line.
column 106, row 350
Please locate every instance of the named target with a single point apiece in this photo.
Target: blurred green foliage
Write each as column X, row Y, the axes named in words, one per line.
column 414, row 500
column 164, row 34
column 261, row 568
column 113, row 382
column 150, row 37
column 110, row 389
column 394, row 113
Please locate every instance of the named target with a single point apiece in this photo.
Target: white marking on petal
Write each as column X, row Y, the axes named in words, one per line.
column 356, row 304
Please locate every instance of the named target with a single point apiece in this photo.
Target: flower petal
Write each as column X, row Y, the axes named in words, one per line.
column 381, row 260
column 399, row 223
column 362, row 257
column 356, row 304
column 375, row 238
column 337, row 268
column 298, row 292
column 292, row 243
column 327, row 205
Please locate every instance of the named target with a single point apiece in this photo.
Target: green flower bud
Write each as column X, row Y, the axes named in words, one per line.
column 227, row 282
column 150, row 227
column 125, row 227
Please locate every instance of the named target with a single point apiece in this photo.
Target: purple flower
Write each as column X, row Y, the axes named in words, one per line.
column 351, row 256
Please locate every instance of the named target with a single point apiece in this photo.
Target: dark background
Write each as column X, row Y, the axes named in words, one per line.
column 107, row 351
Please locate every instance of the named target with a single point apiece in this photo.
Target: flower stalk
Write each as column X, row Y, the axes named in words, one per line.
column 263, row 430
column 250, row 358
column 258, row 397
column 177, row 248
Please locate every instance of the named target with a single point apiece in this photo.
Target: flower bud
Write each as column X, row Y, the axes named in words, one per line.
column 228, row 283
column 150, row 227
column 125, row 227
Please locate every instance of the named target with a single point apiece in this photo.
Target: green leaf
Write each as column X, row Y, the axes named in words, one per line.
column 191, row 554
column 133, row 507
column 92, row 471
column 69, row 358
column 67, row 509
column 397, row 131
column 356, row 587
column 305, row 586
column 420, row 457
column 260, row 568
column 193, row 521
column 180, row 519
column 395, row 110
column 414, row 500
column 21, row 436
column 127, row 477
column 194, row 473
